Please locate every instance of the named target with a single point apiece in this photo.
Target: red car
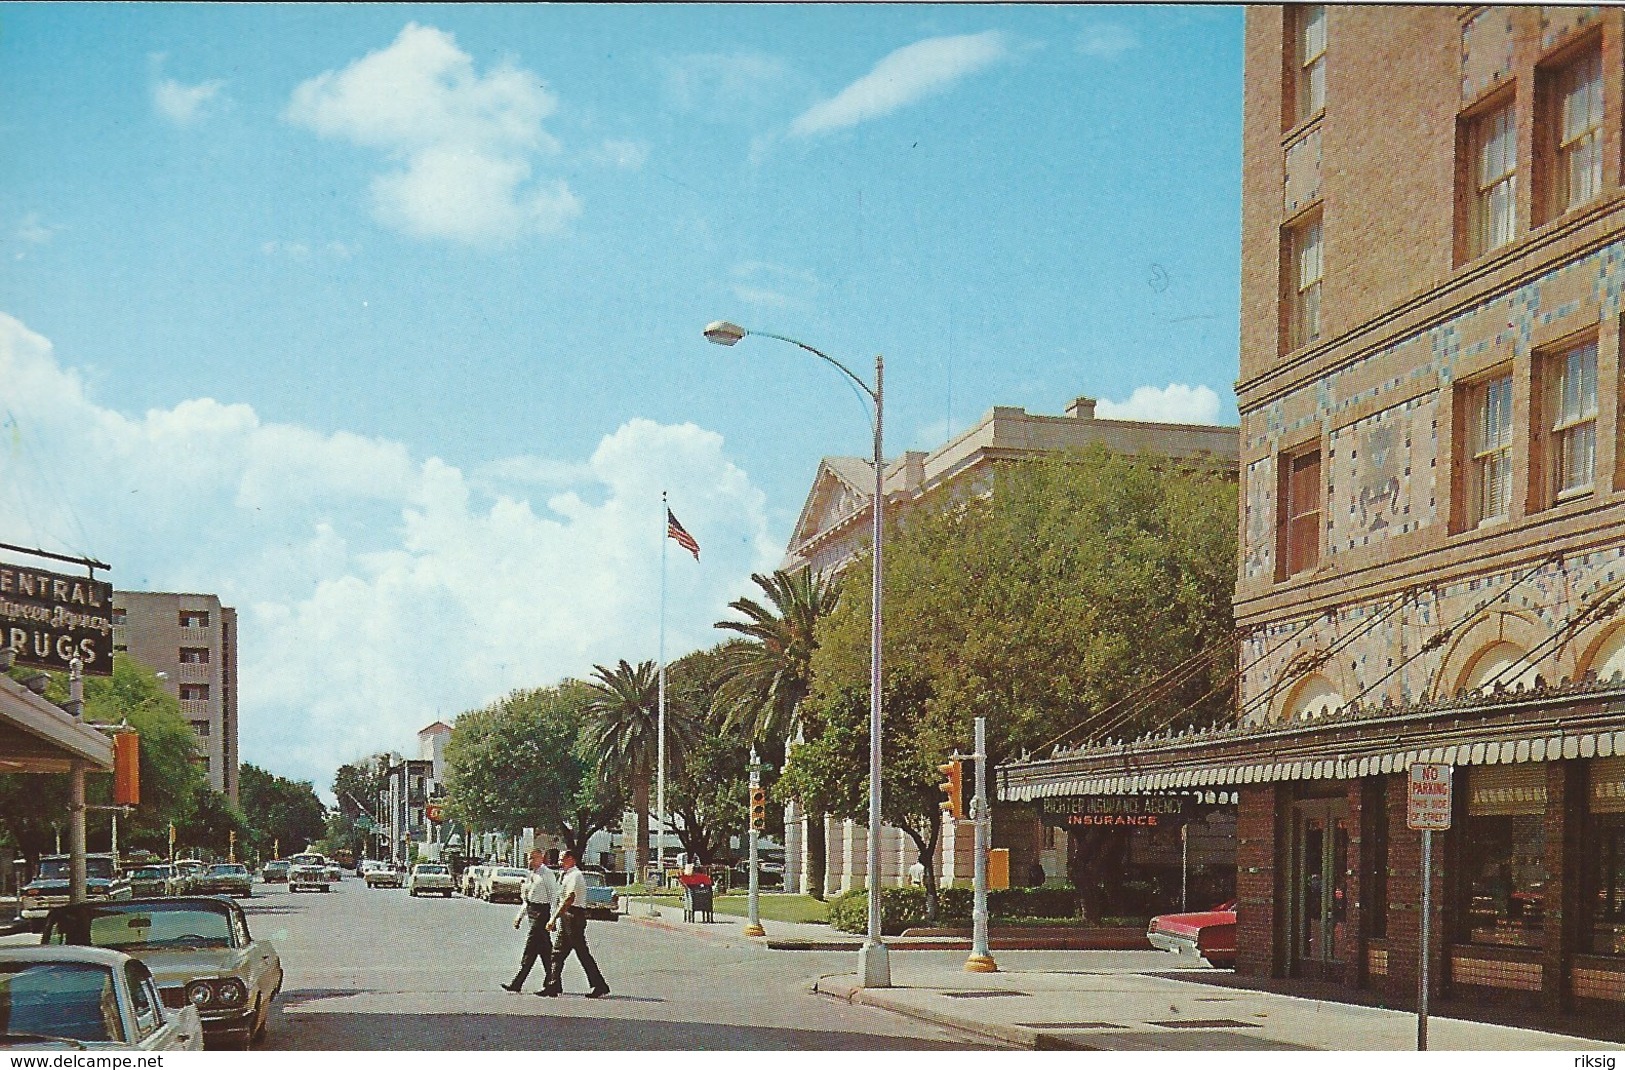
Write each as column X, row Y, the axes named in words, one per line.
column 1208, row 933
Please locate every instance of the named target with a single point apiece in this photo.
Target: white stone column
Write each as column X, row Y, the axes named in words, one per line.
column 855, row 839
column 795, row 846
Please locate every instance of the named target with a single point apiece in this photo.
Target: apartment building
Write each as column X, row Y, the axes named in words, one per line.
column 190, row 640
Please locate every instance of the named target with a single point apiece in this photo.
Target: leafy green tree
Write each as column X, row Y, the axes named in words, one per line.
column 1049, row 606
column 34, row 806
column 357, row 786
column 207, row 827
column 709, row 795
column 280, row 813
column 625, row 735
column 765, row 676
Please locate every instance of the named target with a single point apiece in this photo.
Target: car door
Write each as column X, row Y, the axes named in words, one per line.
column 154, row 1028
column 264, row 968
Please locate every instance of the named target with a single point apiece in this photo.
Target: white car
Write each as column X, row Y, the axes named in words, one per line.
column 311, row 876
column 471, row 880
column 430, row 878
column 505, row 883
column 88, row 997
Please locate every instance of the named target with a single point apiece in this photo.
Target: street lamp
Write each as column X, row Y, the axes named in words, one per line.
column 874, row 968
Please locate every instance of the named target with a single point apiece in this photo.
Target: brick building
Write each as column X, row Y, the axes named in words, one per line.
column 1433, row 505
column 191, row 640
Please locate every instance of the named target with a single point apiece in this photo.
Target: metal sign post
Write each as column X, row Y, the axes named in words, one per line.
column 1427, row 808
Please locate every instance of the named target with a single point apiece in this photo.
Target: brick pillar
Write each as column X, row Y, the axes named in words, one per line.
column 1353, row 946
column 1260, row 867
column 1565, row 804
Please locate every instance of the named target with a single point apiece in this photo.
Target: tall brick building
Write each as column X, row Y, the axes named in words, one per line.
column 1433, row 504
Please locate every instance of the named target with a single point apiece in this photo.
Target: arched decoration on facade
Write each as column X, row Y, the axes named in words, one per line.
column 1599, row 647
column 1465, row 666
column 1501, row 664
column 1606, row 657
column 1312, row 697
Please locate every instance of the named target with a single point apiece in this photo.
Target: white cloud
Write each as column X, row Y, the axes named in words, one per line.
column 181, row 104
column 1176, row 403
column 463, row 144
column 32, row 232
column 622, row 153
column 727, row 88
column 1107, row 40
column 908, row 75
column 376, row 590
column 772, row 285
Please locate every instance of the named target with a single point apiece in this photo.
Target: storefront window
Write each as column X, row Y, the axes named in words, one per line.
column 1503, row 857
column 1604, row 860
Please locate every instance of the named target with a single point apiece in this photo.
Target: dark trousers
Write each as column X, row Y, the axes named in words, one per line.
column 538, row 944
column 573, row 937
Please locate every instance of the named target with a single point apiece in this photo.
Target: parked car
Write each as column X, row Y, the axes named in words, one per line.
column 275, row 872
column 186, row 870
column 311, row 876
column 49, row 888
column 505, row 883
column 430, row 878
column 600, row 895
column 1208, row 933
column 224, row 878
column 200, row 952
column 382, row 876
column 471, row 879
column 88, row 997
column 335, row 872
column 151, row 880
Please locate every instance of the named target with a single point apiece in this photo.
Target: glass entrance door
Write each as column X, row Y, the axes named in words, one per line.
column 1320, row 886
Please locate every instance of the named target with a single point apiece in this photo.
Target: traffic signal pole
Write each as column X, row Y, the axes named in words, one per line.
column 980, row 961
column 753, row 926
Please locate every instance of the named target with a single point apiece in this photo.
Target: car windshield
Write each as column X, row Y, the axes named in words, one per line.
column 149, row 873
column 75, row 1000
column 431, row 869
column 513, row 872
column 228, row 871
column 143, row 925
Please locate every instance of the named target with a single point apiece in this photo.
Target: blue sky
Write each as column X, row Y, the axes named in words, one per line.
column 383, row 322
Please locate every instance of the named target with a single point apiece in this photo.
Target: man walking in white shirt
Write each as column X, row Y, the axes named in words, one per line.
column 571, row 919
column 536, row 906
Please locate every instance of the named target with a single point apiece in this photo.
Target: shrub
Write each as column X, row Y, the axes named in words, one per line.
column 900, row 908
column 1050, row 901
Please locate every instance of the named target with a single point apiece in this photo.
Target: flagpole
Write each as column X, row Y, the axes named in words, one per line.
column 660, row 746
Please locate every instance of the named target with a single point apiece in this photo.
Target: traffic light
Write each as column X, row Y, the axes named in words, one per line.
column 952, row 787
column 231, row 850
column 126, row 769
column 758, row 809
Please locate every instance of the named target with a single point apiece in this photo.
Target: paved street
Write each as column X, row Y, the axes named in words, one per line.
column 380, row 970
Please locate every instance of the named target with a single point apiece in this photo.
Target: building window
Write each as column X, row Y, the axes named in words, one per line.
column 1603, row 888
column 1493, row 159
column 1300, row 498
column 118, row 616
column 201, row 728
column 1568, row 429
column 194, row 655
column 1304, row 272
column 1308, row 68
column 1504, row 883
column 194, row 618
column 1573, row 121
column 1489, row 445
column 194, row 692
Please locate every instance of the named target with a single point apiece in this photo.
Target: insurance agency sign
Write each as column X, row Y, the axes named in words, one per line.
column 1114, row 811
column 50, row 619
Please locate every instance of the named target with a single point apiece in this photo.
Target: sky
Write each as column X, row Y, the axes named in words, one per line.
column 383, row 322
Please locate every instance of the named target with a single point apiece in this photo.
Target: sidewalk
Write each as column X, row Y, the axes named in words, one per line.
column 1113, row 1010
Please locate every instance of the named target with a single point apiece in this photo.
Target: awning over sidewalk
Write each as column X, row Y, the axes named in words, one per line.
column 1583, row 720
column 37, row 736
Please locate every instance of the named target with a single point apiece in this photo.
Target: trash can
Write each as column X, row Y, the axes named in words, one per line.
column 696, row 897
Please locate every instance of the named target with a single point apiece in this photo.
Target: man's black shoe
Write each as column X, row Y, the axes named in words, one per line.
column 548, row 991
column 511, row 987
column 598, row 993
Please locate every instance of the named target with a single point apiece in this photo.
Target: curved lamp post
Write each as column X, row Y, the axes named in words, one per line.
column 874, row 968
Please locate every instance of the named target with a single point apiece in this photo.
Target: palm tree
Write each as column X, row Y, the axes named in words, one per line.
column 626, row 736
column 764, row 677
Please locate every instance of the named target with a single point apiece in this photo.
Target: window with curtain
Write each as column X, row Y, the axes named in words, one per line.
column 1575, row 123
column 1489, row 442
column 1571, row 401
column 1306, row 269
column 1309, row 71
column 1493, row 142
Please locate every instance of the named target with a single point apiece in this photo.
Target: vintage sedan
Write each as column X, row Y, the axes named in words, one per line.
column 186, row 870
column 311, row 876
column 430, row 878
column 224, row 878
column 49, row 888
column 199, row 950
column 85, row 998
column 383, row 876
column 274, row 872
column 472, row 876
column 1210, row 934
column 151, row 880
column 505, row 883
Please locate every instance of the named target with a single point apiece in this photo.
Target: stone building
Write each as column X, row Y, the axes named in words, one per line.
column 836, row 525
column 191, row 641
column 1432, row 564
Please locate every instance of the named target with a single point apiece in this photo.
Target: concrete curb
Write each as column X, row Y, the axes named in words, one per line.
column 1015, row 1035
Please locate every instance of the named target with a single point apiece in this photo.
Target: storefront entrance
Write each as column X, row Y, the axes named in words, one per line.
column 1320, row 892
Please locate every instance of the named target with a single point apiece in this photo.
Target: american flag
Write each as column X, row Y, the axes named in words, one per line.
column 674, row 530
